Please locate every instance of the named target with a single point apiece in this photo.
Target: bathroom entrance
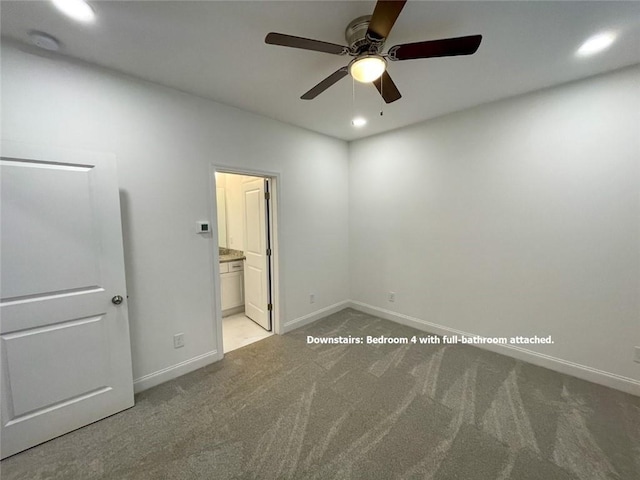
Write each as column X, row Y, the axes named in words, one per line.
column 245, row 250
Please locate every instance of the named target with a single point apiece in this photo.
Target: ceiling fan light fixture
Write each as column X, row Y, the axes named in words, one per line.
column 368, row 68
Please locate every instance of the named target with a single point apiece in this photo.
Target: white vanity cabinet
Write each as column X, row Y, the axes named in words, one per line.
column 232, row 286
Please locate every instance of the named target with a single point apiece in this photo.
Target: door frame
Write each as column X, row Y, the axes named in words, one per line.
column 277, row 319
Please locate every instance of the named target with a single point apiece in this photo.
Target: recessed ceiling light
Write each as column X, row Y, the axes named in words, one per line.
column 77, row 9
column 596, row 44
column 358, row 122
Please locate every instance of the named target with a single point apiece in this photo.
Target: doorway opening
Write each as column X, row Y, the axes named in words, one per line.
column 246, row 254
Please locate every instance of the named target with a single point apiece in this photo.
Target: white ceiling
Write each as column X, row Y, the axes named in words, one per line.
column 217, row 50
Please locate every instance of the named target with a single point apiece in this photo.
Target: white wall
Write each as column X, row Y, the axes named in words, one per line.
column 519, row 217
column 515, row 218
column 165, row 142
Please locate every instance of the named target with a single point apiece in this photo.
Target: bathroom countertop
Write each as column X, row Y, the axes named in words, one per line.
column 230, row 255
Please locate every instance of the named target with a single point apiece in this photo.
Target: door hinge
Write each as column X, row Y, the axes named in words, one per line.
column 267, row 195
column 270, row 306
column 268, row 252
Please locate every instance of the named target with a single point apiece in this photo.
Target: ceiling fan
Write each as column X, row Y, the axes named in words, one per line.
column 366, row 36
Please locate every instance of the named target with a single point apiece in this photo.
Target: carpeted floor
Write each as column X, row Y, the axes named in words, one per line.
column 282, row 409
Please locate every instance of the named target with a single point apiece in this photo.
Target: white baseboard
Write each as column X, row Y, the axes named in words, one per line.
column 584, row 372
column 232, row 311
column 175, row 371
column 312, row 317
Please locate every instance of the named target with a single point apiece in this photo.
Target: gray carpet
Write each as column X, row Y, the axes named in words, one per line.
column 282, row 409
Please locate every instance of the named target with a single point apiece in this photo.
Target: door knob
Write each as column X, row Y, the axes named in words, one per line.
column 117, row 300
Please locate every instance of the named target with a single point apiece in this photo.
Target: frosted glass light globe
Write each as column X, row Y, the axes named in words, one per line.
column 367, row 69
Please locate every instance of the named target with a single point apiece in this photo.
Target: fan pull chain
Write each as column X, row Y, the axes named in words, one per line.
column 381, row 97
column 353, row 99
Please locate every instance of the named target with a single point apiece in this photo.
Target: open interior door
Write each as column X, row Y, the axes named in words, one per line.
column 64, row 331
column 256, row 281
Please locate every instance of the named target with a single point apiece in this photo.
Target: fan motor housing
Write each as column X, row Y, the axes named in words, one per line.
column 356, row 35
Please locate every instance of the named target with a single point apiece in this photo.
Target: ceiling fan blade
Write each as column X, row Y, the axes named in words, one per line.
column 446, row 47
column 326, row 83
column 304, row 43
column 387, row 88
column 384, row 16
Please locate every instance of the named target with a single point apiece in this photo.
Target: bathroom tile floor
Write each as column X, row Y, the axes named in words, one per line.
column 239, row 330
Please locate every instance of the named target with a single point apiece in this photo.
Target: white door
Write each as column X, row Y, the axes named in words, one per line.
column 256, row 296
column 64, row 344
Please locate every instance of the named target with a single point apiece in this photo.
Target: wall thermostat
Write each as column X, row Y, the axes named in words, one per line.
column 203, row 227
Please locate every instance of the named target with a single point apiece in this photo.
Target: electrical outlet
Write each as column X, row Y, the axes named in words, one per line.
column 178, row 340
column 636, row 358
column 392, row 296
column 312, row 298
